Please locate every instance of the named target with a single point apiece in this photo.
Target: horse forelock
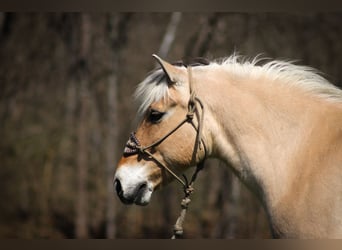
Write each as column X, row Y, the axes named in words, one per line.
column 152, row 89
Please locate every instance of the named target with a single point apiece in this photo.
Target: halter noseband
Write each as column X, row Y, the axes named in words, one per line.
column 133, row 145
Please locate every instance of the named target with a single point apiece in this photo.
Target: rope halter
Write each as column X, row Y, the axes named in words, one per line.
column 133, row 146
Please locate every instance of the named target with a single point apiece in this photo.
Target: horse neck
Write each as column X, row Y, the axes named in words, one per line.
column 255, row 126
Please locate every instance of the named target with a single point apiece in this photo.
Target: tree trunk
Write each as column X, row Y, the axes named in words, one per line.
column 111, row 150
column 170, row 34
column 82, row 133
column 116, row 28
column 82, row 167
column 199, row 44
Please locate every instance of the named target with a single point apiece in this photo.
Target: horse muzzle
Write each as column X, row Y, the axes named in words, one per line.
column 132, row 187
column 140, row 194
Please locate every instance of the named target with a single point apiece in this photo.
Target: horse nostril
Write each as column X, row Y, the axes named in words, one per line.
column 118, row 187
column 142, row 187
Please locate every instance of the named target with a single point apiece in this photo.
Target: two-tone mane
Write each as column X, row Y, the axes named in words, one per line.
column 283, row 72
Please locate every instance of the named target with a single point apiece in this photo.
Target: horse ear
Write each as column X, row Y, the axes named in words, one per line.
column 172, row 73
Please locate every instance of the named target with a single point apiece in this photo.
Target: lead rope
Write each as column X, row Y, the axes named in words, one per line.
column 188, row 188
column 178, row 227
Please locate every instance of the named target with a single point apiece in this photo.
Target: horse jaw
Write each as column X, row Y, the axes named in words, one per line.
column 132, row 185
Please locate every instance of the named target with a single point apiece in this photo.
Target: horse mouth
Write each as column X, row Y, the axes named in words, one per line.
column 139, row 195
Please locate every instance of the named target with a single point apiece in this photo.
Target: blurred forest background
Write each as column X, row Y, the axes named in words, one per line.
column 66, row 110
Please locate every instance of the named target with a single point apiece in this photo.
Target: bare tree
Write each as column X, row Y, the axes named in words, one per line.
column 170, row 34
column 116, row 28
column 82, row 133
column 199, row 43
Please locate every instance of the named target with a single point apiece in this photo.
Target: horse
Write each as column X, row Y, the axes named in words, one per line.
column 276, row 124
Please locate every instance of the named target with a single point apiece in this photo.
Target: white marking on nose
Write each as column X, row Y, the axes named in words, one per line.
column 131, row 175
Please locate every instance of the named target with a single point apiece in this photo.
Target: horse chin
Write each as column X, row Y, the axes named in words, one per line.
column 141, row 203
column 144, row 197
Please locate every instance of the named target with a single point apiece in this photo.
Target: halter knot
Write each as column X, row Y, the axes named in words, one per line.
column 185, row 202
column 190, row 115
column 133, row 145
column 189, row 190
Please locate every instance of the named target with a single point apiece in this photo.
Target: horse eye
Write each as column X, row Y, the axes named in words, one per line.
column 155, row 116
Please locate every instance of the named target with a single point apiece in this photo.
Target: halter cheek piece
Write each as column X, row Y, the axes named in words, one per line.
column 133, row 146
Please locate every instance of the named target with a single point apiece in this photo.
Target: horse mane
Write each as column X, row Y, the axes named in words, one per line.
column 307, row 78
column 154, row 87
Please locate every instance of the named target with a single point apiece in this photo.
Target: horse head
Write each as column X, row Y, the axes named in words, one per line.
column 168, row 138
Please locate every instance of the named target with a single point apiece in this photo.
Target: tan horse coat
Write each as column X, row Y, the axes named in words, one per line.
column 278, row 126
